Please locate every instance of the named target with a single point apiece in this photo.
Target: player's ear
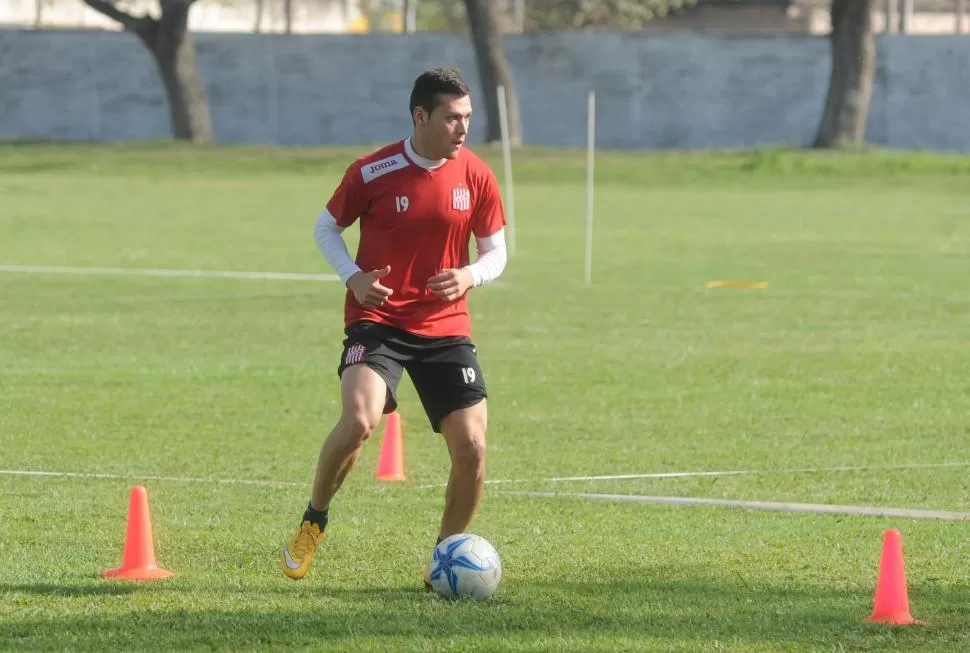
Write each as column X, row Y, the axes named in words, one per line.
column 420, row 116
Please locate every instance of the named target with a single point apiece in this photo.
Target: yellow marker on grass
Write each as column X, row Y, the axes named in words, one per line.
column 736, row 284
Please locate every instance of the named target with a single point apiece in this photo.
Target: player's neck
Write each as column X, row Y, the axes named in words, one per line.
column 414, row 152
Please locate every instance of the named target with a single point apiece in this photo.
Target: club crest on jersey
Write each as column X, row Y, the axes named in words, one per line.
column 461, row 199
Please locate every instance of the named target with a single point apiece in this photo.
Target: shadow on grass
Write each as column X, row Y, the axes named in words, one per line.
column 101, row 588
column 616, row 612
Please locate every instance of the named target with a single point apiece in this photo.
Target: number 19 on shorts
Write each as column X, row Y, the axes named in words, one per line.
column 469, row 374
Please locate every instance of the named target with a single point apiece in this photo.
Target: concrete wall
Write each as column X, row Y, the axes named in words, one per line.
column 670, row 91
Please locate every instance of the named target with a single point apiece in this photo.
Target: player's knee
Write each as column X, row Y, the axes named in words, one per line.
column 357, row 426
column 474, row 453
column 468, row 449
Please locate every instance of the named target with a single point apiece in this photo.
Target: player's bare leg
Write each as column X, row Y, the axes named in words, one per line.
column 363, row 396
column 363, row 393
column 464, row 432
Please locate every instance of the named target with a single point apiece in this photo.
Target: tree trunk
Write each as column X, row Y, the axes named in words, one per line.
column 173, row 47
column 906, row 16
column 258, row 21
column 409, row 16
column 518, row 15
column 853, row 69
column 493, row 69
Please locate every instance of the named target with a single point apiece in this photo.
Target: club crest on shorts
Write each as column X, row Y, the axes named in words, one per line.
column 461, row 199
column 355, row 354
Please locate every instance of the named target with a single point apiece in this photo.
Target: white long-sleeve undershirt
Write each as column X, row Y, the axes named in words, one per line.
column 330, row 241
column 492, row 257
column 491, row 261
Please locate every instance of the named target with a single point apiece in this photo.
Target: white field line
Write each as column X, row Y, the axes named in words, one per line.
column 774, row 506
column 734, row 472
column 281, row 484
column 151, row 272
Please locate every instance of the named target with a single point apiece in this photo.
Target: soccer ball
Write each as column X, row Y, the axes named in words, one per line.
column 465, row 566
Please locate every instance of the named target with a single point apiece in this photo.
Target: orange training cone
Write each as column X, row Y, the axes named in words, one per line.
column 892, row 600
column 138, row 559
column 390, row 466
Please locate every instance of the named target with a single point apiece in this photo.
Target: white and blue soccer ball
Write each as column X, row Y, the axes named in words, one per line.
column 465, row 566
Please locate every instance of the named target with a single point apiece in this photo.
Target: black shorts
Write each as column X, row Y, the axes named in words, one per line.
column 444, row 370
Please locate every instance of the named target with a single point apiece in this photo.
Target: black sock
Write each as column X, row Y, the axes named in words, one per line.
column 318, row 517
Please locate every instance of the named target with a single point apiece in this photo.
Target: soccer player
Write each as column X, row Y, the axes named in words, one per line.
column 419, row 202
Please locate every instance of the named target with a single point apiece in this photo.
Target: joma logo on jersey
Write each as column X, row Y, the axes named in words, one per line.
column 382, row 167
column 461, row 199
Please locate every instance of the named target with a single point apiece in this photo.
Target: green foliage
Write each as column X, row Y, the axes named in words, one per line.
column 442, row 16
column 548, row 15
column 617, row 14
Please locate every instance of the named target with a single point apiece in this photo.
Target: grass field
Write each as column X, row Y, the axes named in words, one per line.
column 845, row 381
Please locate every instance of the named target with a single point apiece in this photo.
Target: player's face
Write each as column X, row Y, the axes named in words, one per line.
column 447, row 126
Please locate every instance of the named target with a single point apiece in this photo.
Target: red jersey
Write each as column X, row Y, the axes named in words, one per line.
column 419, row 221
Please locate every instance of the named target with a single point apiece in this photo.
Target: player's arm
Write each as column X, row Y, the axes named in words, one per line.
column 492, row 257
column 348, row 202
column 331, row 243
column 488, row 225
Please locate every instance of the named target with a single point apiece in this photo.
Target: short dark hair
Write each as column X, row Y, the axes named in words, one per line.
column 432, row 84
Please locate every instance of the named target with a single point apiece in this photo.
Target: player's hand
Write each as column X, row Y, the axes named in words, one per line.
column 451, row 284
column 367, row 288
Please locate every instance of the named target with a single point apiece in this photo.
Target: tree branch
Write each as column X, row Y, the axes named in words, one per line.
column 108, row 8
